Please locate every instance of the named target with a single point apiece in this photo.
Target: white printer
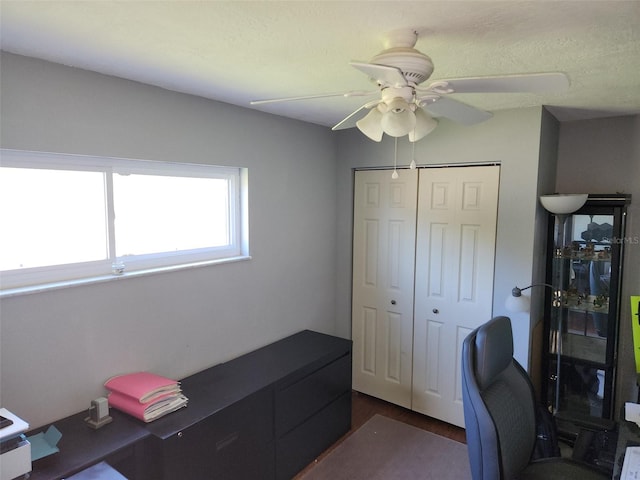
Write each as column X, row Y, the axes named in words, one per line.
column 15, row 450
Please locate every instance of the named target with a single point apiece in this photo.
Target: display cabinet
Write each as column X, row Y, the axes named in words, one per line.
column 584, row 271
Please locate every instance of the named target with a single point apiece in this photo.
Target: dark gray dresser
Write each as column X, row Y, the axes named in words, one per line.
column 266, row 414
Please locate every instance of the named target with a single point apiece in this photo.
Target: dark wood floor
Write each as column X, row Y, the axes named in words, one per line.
column 364, row 407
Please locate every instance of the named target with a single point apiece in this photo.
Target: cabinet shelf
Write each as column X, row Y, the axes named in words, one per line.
column 584, row 305
column 582, row 347
column 552, row 358
column 599, row 256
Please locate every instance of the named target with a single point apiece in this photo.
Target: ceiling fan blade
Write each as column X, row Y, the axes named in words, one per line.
column 391, row 76
column 355, row 93
column 534, row 83
column 352, row 118
column 457, row 111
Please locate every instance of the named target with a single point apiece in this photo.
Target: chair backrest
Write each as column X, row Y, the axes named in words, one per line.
column 499, row 405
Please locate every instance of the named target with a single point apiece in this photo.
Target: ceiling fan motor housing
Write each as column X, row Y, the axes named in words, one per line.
column 415, row 66
column 391, row 94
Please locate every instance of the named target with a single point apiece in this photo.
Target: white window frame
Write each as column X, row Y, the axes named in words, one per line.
column 16, row 281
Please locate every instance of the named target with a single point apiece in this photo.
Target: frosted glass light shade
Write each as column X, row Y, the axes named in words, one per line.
column 425, row 124
column 563, row 203
column 371, row 125
column 398, row 124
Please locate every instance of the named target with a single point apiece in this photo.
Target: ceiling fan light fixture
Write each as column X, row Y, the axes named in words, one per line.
column 400, row 69
column 398, row 120
column 425, row 124
column 397, row 105
column 371, row 125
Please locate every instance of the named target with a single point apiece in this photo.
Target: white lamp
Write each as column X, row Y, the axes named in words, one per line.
column 398, row 120
column 517, row 303
column 424, row 125
column 563, row 203
column 371, row 125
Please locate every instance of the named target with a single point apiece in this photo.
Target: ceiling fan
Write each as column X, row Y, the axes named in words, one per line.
column 405, row 107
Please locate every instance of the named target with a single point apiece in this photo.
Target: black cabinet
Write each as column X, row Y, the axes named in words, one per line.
column 311, row 414
column 266, row 414
column 263, row 415
column 584, row 268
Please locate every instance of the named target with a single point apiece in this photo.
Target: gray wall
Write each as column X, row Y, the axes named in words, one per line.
column 546, row 184
column 57, row 348
column 511, row 138
column 603, row 156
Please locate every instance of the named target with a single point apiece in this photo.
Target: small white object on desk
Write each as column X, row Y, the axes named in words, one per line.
column 631, row 465
column 98, row 413
column 17, row 426
column 632, row 413
column 16, row 457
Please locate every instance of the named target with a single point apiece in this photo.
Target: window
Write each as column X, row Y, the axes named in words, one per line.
column 67, row 217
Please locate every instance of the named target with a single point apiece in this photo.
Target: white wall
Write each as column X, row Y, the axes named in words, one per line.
column 58, row 347
column 603, row 156
column 511, row 138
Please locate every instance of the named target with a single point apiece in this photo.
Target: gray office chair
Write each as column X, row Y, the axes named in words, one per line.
column 500, row 412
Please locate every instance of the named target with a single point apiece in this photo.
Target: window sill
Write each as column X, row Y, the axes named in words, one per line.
column 12, row 292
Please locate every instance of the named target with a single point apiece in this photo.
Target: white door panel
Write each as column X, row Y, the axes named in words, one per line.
column 455, row 250
column 423, row 254
column 383, row 270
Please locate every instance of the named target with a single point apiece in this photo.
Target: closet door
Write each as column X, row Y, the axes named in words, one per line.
column 383, row 275
column 455, row 250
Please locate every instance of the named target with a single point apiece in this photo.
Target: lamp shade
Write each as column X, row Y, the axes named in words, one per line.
column 398, row 120
column 425, row 124
column 371, row 125
column 563, row 203
column 517, row 304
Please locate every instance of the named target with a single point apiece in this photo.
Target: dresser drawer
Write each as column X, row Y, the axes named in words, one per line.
column 297, row 402
column 303, row 444
column 219, row 446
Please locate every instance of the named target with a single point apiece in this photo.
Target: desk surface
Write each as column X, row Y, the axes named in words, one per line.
column 216, row 388
column 81, row 446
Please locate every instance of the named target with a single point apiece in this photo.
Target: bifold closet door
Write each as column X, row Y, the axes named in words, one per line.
column 455, row 251
column 383, row 275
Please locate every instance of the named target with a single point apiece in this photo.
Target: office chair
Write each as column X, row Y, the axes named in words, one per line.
column 500, row 412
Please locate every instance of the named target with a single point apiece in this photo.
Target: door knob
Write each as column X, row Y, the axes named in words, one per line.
column 436, row 311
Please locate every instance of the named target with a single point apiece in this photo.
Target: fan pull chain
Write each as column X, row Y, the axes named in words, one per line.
column 394, row 175
column 412, row 165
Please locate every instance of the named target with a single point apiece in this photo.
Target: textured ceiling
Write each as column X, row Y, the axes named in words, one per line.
column 237, row 51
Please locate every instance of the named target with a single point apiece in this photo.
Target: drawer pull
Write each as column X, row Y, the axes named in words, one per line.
column 225, row 442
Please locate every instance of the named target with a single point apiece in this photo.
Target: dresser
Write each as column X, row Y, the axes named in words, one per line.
column 264, row 415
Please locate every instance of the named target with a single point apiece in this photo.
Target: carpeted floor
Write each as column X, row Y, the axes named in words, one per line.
column 385, row 449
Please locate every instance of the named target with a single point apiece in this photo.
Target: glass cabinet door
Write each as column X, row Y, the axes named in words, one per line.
column 581, row 311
